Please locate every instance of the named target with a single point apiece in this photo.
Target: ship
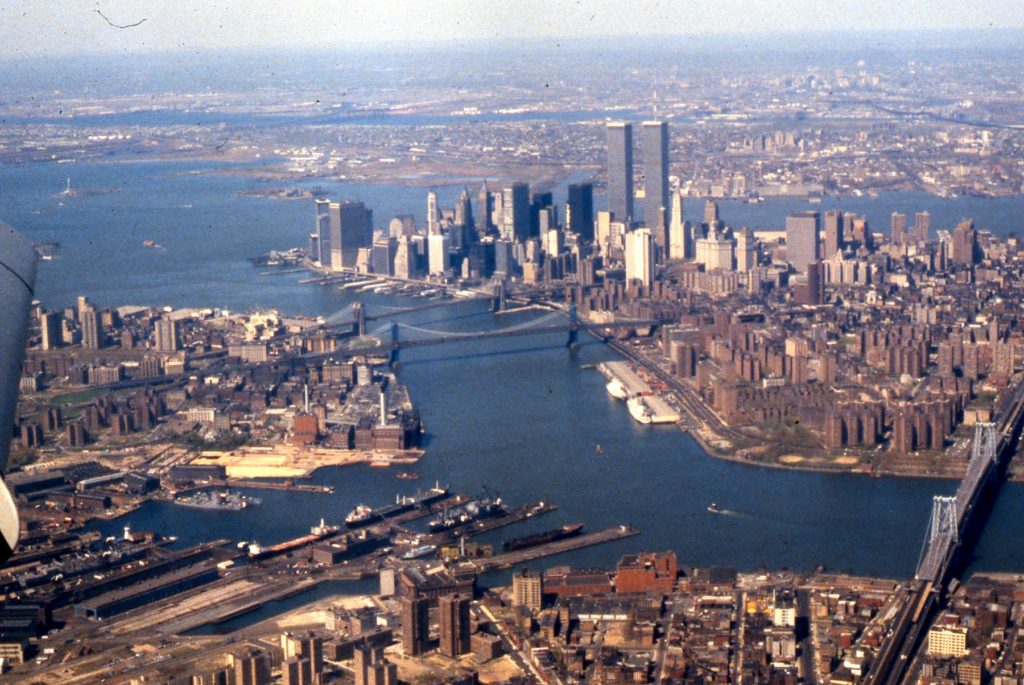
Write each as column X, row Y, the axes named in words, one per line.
column 616, row 389
column 567, row 531
column 420, row 551
column 217, row 500
column 360, row 514
column 638, row 410
column 363, row 515
column 316, row 533
column 473, row 510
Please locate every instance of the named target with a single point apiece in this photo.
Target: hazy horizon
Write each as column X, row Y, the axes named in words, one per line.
column 37, row 29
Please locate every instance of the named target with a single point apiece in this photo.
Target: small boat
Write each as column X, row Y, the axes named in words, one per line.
column 598, row 450
column 713, row 508
column 408, row 475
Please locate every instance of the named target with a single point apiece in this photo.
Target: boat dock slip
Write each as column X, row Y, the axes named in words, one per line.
column 511, row 559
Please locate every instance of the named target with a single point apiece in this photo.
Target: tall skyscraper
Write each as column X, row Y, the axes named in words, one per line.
column 486, row 207
column 349, row 227
column 515, row 205
column 579, row 210
column 678, row 235
column 50, row 327
column 965, row 243
column 433, row 214
column 437, row 253
column 415, row 625
column 453, row 616
column 711, row 217
column 656, row 180
column 746, row 255
column 464, row 212
column 620, row 170
column 922, row 226
column 640, row 256
column 898, row 228
column 166, row 335
column 92, row 334
column 833, row 232
column 538, row 203
column 802, row 239
column 323, row 232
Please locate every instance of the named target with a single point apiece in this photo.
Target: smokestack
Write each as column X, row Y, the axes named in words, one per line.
column 383, row 408
column 305, row 391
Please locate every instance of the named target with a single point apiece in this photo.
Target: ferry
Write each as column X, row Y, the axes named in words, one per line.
column 616, row 389
column 638, row 410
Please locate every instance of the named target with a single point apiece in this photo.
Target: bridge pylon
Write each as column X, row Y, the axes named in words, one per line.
column 499, row 303
column 360, row 318
column 574, row 322
column 986, row 442
column 394, row 345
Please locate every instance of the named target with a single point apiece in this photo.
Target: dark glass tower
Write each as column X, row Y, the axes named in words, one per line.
column 580, row 210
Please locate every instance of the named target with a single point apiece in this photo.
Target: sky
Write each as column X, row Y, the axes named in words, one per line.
column 67, row 27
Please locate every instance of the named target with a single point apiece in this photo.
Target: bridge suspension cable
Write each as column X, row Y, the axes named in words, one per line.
column 535, row 323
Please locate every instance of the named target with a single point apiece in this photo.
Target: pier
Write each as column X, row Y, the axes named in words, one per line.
column 503, row 561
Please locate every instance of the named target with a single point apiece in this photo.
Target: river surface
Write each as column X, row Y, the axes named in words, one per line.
column 520, row 415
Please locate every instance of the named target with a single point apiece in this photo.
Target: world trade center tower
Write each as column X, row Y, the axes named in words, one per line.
column 620, row 170
column 656, row 180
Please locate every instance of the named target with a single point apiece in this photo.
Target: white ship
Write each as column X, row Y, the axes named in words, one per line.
column 616, row 389
column 638, row 410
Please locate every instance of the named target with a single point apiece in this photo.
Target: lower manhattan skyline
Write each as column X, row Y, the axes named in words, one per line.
column 510, row 343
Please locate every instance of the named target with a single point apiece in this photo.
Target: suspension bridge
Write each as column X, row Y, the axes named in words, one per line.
column 396, row 335
column 955, row 523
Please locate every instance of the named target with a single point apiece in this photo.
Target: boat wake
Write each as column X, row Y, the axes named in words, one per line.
column 721, row 511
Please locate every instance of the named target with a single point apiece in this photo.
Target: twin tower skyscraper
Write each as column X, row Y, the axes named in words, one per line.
column 620, row 176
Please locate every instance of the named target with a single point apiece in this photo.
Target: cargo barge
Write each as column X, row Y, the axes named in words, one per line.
column 566, row 531
column 316, row 533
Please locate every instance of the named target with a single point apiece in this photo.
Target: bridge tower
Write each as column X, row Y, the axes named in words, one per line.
column 394, row 345
column 499, row 303
column 944, row 519
column 985, row 441
column 360, row 318
column 574, row 322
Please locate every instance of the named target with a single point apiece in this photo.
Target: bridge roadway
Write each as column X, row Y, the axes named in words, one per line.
column 926, row 595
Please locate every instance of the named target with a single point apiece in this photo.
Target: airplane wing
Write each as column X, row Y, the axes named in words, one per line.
column 17, row 279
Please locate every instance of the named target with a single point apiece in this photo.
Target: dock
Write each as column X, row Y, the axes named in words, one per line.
column 502, row 561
